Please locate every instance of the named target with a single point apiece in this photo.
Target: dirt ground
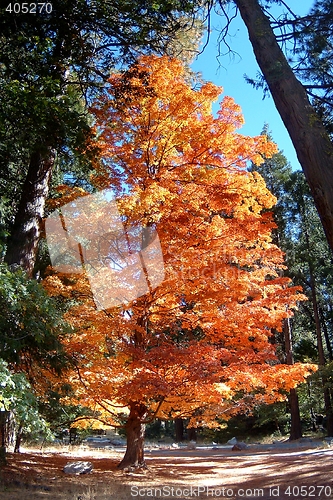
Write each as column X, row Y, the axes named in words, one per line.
column 262, row 472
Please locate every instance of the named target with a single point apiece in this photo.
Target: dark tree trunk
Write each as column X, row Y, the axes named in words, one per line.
column 295, row 425
column 3, row 436
column 179, row 430
column 311, row 141
column 22, row 244
column 7, row 433
column 135, row 430
column 18, row 439
column 191, row 434
column 326, row 335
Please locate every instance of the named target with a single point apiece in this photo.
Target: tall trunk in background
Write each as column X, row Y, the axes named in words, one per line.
column 4, row 418
column 22, row 244
column 310, row 139
column 18, row 439
column 179, row 430
column 296, row 427
column 191, row 434
column 326, row 335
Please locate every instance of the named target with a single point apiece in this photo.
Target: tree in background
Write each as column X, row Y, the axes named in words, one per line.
column 313, row 269
column 51, row 64
column 18, row 397
column 306, row 129
column 31, row 353
column 309, row 264
column 199, row 345
column 31, row 326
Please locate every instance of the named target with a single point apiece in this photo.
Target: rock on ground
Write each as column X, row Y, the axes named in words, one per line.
column 78, row 467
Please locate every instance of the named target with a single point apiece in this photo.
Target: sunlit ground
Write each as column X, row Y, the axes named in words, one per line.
column 174, row 473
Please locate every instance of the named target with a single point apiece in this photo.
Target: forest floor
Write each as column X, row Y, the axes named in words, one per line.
column 280, row 471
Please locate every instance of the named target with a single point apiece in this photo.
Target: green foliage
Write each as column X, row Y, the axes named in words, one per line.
column 17, row 396
column 309, row 264
column 31, row 324
column 314, row 37
column 270, row 419
column 31, row 333
column 60, row 415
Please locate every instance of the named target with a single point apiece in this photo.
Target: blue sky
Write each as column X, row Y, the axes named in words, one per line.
column 229, row 72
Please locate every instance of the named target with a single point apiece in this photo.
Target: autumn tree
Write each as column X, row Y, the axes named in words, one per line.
column 200, row 344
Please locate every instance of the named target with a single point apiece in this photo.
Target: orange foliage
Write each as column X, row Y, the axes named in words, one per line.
column 200, row 345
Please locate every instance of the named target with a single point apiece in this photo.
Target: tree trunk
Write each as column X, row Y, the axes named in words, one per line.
column 295, row 427
column 311, row 141
column 326, row 335
column 3, row 441
column 191, row 434
column 22, row 244
column 135, row 430
column 7, row 433
column 179, row 430
column 18, row 439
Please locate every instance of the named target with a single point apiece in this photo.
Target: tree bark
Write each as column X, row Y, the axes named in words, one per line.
column 311, row 141
column 296, row 426
column 7, row 434
column 191, row 434
column 179, row 430
column 19, row 435
column 135, row 431
column 326, row 335
column 22, row 244
column 3, row 437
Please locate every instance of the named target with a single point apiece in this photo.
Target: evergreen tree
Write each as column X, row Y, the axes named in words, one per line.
column 309, row 264
column 49, row 60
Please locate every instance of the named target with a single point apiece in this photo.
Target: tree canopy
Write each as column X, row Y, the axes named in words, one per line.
column 200, row 344
column 51, row 63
